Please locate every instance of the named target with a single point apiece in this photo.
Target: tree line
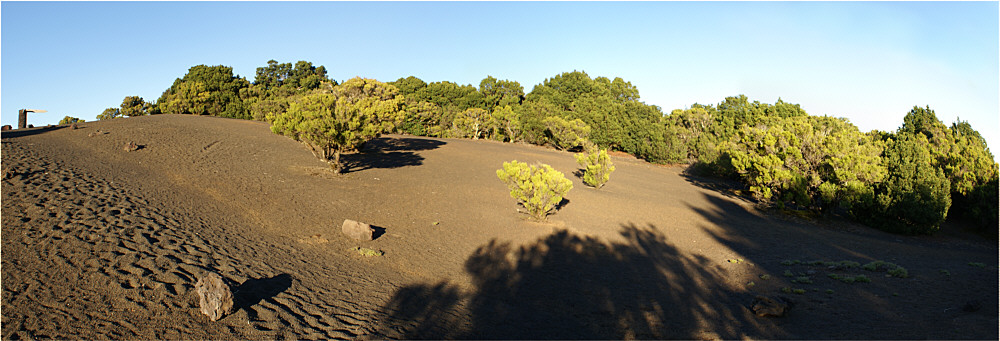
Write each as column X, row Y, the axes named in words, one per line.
column 906, row 181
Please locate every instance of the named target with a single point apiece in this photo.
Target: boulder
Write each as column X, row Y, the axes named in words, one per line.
column 769, row 306
column 358, row 230
column 214, row 296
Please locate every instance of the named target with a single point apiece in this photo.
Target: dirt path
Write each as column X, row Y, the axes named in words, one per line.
column 95, row 236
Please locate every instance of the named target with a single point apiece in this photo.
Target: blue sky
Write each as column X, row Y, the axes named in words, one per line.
column 870, row 62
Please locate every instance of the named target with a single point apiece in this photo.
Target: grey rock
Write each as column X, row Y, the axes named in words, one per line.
column 214, row 296
column 358, row 230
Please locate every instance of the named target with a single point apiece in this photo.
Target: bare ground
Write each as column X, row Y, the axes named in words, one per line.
column 99, row 242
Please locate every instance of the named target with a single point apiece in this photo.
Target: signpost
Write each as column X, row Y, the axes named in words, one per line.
column 22, row 117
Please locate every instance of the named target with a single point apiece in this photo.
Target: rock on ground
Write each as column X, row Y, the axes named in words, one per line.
column 214, row 296
column 358, row 230
column 769, row 306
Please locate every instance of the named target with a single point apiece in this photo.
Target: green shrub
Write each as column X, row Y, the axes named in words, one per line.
column 538, row 189
column 890, row 268
column 70, row 120
column 364, row 251
column 357, row 111
column 802, row 280
column 597, row 166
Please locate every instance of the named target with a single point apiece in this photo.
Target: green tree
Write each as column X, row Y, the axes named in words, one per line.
column 422, row 118
column 109, row 113
column 409, row 86
column 611, row 108
column 206, row 90
column 191, row 98
column 357, row 111
column 973, row 174
column 303, row 75
column 915, row 197
column 532, row 115
column 473, row 123
column 539, row 189
column 135, row 106
column 769, row 161
column 500, row 93
column 565, row 134
column 507, row 123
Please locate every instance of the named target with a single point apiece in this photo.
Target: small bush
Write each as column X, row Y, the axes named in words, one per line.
column 850, row 279
column 891, row 268
column 70, row 120
column 597, row 166
column 364, row 251
column 538, row 189
column 802, row 280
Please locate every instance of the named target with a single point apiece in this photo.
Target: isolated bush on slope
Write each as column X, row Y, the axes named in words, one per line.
column 597, row 166
column 356, row 112
column 538, row 189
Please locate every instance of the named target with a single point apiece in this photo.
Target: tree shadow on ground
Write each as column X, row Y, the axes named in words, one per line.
column 391, row 144
column 925, row 305
column 569, row 286
column 388, row 152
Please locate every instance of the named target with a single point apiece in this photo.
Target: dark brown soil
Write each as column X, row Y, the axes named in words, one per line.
column 100, row 242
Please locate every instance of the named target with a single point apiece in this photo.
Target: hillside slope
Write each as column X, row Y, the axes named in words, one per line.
column 94, row 235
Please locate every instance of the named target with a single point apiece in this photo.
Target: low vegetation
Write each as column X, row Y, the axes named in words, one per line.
column 540, row 189
column 597, row 166
column 70, row 120
column 364, row 251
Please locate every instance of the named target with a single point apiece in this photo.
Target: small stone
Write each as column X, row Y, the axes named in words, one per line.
column 214, row 296
column 769, row 306
column 358, row 230
column 131, row 146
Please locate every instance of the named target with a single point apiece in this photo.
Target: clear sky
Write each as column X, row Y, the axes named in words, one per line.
column 870, row 62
